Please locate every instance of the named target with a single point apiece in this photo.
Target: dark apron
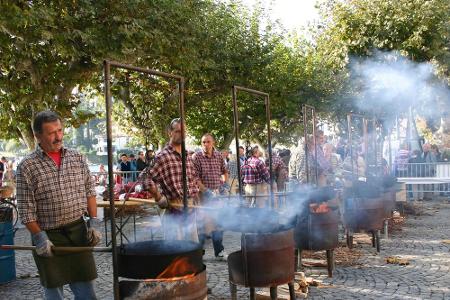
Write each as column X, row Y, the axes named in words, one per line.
column 65, row 268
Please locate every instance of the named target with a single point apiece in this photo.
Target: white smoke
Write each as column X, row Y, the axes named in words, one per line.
column 388, row 83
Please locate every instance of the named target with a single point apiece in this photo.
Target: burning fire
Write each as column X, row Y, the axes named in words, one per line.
column 179, row 266
column 319, row 209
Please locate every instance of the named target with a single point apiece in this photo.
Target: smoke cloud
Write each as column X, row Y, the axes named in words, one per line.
column 387, row 84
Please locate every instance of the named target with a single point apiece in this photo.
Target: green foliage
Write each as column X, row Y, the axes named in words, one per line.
column 357, row 29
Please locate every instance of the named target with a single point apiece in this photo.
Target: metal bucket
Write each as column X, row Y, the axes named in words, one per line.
column 7, row 258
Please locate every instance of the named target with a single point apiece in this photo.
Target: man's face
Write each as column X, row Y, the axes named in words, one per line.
column 51, row 138
column 124, row 158
column 320, row 139
column 175, row 134
column 141, row 156
column 328, row 149
column 207, row 143
column 241, row 152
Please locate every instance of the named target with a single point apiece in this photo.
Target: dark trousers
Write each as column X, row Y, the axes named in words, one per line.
column 217, row 238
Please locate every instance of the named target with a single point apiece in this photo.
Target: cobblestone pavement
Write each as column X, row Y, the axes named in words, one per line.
column 421, row 242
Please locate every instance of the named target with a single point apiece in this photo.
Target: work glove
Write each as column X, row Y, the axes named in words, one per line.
column 163, row 203
column 207, row 194
column 42, row 243
column 93, row 235
column 224, row 188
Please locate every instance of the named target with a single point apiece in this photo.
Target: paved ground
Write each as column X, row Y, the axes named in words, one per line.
column 426, row 277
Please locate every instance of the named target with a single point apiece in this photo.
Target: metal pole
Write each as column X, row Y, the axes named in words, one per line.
column 305, row 134
column 316, row 171
column 183, row 146
column 350, row 142
column 236, row 137
column 108, row 103
column 269, row 142
column 235, row 88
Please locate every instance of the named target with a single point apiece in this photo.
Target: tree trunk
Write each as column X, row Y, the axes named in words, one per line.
column 28, row 138
column 228, row 138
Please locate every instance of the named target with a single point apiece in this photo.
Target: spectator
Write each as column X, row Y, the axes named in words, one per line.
column 140, row 162
column 278, row 169
column 401, row 161
column 335, row 162
column 125, row 168
column 150, row 158
column 3, row 166
column 133, row 168
column 256, row 178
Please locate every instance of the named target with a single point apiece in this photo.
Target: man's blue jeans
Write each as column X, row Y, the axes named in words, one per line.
column 81, row 290
column 217, row 238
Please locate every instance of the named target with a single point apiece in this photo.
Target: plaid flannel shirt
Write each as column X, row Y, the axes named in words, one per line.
column 53, row 196
column 210, row 169
column 167, row 172
column 254, row 171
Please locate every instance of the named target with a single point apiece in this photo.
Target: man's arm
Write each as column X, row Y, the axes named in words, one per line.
column 33, row 227
column 224, row 170
column 92, row 206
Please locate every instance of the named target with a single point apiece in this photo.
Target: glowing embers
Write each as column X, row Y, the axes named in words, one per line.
column 181, row 265
column 322, row 208
column 162, row 269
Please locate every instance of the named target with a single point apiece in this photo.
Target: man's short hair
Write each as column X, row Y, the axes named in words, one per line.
column 123, row 154
column 132, row 155
column 210, row 135
column 172, row 124
column 46, row 116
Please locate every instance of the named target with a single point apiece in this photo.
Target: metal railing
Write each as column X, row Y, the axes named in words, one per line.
column 414, row 170
column 425, row 180
column 122, row 177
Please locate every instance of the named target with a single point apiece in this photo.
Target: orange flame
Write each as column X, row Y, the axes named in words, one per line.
column 180, row 265
column 319, row 209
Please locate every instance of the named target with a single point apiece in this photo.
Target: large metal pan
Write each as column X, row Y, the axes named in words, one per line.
column 150, row 259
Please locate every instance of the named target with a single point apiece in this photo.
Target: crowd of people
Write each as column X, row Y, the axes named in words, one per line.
column 61, row 210
column 417, row 163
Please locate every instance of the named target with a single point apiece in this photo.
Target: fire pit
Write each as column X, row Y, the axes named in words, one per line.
column 364, row 211
column 162, row 269
column 317, row 226
column 265, row 260
column 389, row 194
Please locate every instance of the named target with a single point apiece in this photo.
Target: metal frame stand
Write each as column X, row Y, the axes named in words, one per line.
column 235, row 89
column 108, row 99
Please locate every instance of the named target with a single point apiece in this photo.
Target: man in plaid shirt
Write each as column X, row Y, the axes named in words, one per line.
column 54, row 191
column 256, row 178
column 167, row 174
column 278, row 169
column 213, row 174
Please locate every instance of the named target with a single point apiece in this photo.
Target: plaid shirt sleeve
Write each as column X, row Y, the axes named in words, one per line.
column 197, row 165
column 25, row 196
column 152, row 175
column 223, row 168
column 263, row 171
